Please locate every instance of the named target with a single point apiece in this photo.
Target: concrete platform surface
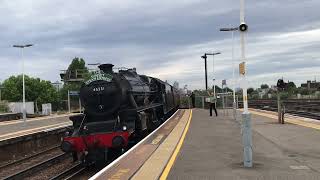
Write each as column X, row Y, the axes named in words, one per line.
column 213, row 150
column 16, row 128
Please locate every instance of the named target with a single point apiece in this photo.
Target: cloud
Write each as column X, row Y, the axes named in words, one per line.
column 162, row 38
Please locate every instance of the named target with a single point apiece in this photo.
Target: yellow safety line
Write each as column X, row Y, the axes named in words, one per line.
column 168, row 167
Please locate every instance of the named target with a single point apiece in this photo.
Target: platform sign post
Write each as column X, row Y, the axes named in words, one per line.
column 246, row 117
column 73, row 93
column 224, row 83
column 79, row 105
column 69, row 110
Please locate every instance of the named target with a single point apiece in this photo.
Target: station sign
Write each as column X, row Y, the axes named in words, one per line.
column 74, row 93
column 242, row 68
column 224, row 82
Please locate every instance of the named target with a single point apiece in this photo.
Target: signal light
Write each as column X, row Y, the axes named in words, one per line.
column 243, row 27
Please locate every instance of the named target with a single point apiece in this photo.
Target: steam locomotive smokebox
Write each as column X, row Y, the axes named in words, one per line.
column 106, row 68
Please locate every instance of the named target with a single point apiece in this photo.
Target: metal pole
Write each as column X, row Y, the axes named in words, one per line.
column 214, row 78
column 246, row 124
column 69, row 102
column 206, row 74
column 234, row 81
column 226, row 101
column 79, row 105
column 223, row 102
column 237, row 102
column 23, row 92
column 279, row 107
column 202, row 99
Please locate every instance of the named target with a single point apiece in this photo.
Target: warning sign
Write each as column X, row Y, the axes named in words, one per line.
column 242, row 68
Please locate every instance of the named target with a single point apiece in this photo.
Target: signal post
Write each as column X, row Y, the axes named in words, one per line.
column 246, row 117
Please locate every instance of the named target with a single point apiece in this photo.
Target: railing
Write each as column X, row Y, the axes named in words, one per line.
column 223, row 102
column 73, row 75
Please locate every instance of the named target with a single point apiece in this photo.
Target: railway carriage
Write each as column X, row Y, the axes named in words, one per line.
column 120, row 107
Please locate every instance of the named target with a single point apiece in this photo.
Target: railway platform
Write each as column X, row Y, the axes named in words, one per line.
column 17, row 128
column 211, row 148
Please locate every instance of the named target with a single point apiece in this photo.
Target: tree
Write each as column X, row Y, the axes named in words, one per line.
column 291, row 85
column 264, row 86
column 250, row 90
column 78, row 64
column 37, row 90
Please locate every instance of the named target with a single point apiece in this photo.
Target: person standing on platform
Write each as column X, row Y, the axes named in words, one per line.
column 212, row 103
column 193, row 100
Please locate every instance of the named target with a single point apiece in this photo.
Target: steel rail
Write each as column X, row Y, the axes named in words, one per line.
column 70, row 173
column 37, row 167
column 28, row 157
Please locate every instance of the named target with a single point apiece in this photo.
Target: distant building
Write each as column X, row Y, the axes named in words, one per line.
column 311, row 85
column 274, row 87
column 58, row 85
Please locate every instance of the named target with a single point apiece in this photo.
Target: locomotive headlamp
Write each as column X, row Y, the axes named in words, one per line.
column 243, row 27
column 124, row 128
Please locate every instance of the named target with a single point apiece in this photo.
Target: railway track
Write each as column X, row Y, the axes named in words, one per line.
column 29, row 158
column 40, row 166
column 70, row 173
column 309, row 108
column 34, row 169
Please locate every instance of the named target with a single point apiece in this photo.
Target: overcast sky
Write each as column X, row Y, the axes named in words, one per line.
column 164, row 38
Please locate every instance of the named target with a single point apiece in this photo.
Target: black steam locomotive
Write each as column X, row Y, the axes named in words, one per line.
column 119, row 107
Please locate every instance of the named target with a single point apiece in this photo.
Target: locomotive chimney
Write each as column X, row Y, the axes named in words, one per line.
column 106, row 68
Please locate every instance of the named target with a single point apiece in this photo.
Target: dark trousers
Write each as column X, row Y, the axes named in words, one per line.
column 193, row 103
column 213, row 105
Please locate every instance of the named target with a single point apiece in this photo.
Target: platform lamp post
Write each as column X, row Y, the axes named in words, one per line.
column 23, row 83
column 214, row 84
column 233, row 69
column 205, row 69
column 246, row 117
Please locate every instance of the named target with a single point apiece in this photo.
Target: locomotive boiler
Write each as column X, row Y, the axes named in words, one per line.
column 119, row 108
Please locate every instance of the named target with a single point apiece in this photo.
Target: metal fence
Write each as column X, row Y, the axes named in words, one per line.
column 4, row 107
column 222, row 102
column 185, row 102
